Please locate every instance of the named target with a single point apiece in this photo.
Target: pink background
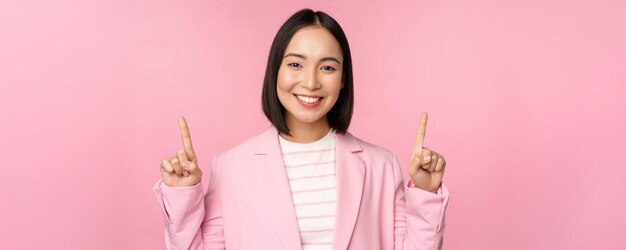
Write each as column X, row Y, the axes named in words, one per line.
column 526, row 101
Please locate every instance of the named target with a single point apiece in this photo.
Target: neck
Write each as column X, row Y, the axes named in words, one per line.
column 302, row 132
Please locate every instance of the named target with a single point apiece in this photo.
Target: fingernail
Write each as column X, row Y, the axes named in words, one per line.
column 427, row 158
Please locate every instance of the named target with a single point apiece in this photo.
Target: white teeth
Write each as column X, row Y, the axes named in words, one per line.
column 308, row 99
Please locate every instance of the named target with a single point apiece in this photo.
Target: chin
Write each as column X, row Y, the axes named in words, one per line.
column 308, row 119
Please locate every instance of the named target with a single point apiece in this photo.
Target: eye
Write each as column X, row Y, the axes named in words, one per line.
column 295, row 65
column 328, row 68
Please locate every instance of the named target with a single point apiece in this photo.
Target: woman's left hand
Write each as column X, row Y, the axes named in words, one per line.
column 427, row 166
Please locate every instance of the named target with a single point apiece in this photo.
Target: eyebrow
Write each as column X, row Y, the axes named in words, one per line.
column 329, row 58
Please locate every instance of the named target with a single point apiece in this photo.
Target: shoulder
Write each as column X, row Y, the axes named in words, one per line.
column 247, row 146
column 250, row 146
column 378, row 160
column 368, row 150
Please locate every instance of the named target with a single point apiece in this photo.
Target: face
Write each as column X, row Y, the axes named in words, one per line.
column 309, row 77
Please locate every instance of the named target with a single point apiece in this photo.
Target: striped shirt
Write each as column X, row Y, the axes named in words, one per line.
column 311, row 172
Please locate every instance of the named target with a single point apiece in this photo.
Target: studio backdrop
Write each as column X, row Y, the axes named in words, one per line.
column 526, row 101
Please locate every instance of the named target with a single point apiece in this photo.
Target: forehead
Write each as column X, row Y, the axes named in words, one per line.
column 314, row 41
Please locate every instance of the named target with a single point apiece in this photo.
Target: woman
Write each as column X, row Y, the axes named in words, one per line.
column 305, row 182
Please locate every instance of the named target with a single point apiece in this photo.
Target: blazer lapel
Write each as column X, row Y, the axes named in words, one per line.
column 350, row 176
column 272, row 180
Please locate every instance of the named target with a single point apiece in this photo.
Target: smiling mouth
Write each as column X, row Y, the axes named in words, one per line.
column 308, row 99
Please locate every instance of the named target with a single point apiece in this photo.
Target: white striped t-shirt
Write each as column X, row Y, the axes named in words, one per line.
column 311, row 172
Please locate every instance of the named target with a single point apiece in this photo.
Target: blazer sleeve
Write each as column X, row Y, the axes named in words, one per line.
column 192, row 220
column 419, row 215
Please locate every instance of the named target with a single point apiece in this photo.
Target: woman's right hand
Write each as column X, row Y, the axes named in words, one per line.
column 182, row 169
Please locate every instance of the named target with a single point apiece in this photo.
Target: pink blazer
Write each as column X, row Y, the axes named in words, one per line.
column 248, row 203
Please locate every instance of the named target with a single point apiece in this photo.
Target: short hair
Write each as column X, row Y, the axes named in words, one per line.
column 340, row 114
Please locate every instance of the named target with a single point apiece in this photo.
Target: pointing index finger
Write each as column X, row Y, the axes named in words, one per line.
column 421, row 133
column 184, row 131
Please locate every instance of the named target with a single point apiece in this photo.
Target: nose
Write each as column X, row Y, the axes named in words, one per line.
column 310, row 81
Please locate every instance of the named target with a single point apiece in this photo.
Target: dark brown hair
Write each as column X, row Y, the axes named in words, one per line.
column 340, row 114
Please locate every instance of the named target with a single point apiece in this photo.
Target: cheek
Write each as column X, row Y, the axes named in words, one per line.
column 284, row 84
column 284, row 80
column 333, row 84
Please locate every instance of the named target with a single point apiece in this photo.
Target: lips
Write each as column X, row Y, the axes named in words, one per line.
column 309, row 99
column 309, row 102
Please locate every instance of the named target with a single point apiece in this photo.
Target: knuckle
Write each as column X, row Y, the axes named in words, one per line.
column 417, row 161
column 191, row 165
